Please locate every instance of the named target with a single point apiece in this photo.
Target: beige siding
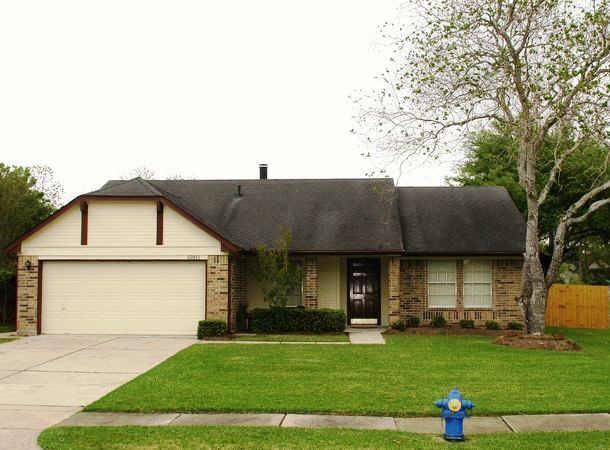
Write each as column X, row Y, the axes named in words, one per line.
column 329, row 280
column 180, row 232
column 122, row 223
column 328, row 297
column 122, row 229
column 110, row 297
column 64, row 231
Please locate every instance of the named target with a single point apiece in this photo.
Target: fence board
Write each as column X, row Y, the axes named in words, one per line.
column 577, row 306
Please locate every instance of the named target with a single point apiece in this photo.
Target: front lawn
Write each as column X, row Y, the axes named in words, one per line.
column 197, row 438
column 334, row 337
column 401, row 378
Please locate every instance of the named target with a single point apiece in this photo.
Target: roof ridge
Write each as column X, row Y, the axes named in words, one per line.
column 112, row 186
column 148, row 186
column 270, row 180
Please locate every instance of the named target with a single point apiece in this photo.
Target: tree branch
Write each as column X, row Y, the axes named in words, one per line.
column 555, row 172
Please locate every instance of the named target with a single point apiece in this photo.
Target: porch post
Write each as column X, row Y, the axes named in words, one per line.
column 238, row 287
column 27, row 295
column 311, row 283
column 217, row 295
column 393, row 289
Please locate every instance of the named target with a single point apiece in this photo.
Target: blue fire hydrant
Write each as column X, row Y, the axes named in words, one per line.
column 453, row 412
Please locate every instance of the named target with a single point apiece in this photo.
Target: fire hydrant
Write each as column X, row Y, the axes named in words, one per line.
column 453, row 412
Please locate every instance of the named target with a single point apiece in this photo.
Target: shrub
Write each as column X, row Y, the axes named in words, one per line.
column 281, row 319
column 492, row 325
column 465, row 323
column 211, row 328
column 412, row 322
column 438, row 321
column 515, row 326
column 241, row 317
column 399, row 325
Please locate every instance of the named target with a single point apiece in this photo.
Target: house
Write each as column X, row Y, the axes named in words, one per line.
column 155, row 257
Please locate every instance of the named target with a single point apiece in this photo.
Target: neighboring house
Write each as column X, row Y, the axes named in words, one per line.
column 155, row 257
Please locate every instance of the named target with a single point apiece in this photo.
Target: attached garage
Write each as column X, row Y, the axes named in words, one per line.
column 122, row 297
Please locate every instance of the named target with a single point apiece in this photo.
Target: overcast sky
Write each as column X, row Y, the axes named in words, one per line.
column 203, row 89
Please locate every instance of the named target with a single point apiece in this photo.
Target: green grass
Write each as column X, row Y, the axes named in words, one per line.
column 6, row 328
column 6, row 340
column 338, row 337
column 197, row 438
column 402, row 378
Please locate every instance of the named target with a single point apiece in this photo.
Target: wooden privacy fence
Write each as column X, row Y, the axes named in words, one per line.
column 577, row 306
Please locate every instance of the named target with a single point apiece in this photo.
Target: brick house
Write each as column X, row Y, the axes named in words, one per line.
column 154, row 257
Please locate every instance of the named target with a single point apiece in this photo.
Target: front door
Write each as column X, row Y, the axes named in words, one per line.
column 364, row 305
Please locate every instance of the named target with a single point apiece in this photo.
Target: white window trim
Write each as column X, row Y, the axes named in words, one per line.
column 428, row 283
column 491, row 290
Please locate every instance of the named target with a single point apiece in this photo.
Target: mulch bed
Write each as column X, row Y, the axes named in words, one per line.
column 452, row 331
column 543, row 342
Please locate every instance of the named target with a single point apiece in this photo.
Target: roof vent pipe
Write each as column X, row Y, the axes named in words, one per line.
column 262, row 171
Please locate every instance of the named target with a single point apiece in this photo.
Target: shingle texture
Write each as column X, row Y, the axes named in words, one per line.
column 460, row 221
column 322, row 215
column 345, row 215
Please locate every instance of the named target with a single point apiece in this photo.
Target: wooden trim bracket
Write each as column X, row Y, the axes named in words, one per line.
column 84, row 222
column 159, row 222
column 39, row 300
column 225, row 244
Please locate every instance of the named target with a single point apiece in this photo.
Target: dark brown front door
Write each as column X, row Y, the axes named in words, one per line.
column 363, row 291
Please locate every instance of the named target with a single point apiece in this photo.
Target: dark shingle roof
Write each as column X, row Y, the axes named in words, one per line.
column 336, row 215
column 346, row 215
column 460, row 220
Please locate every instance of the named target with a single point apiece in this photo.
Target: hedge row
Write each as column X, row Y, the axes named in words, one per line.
column 207, row 328
column 278, row 320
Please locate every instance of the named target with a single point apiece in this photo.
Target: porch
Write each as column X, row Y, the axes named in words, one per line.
column 377, row 290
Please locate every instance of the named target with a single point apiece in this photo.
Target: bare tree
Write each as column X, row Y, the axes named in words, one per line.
column 140, row 172
column 534, row 68
column 48, row 184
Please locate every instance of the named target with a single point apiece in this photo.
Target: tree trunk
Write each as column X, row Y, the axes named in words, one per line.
column 534, row 284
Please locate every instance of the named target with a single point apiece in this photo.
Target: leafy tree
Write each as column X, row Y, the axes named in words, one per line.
column 534, row 68
column 22, row 206
column 490, row 161
column 280, row 277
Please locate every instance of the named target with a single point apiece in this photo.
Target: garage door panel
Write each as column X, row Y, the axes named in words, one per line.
column 134, row 297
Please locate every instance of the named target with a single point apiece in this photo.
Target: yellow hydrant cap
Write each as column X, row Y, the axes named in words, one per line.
column 455, row 405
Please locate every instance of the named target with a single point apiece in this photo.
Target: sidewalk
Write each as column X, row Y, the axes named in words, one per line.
column 427, row 425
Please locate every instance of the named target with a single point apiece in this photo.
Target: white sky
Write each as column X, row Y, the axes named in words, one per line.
column 205, row 89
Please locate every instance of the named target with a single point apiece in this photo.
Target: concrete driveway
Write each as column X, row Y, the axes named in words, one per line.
column 45, row 379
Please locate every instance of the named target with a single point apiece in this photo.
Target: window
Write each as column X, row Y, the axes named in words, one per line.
column 477, row 284
column 441, row 284
column 296, row 297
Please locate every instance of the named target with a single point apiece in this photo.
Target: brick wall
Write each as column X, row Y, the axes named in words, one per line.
column 506, row 290
column 413, row 291
column 506, row 279
column 217, row 297
column 393, row 290
column 239, row 286
column 311, row 282
column 27, row 296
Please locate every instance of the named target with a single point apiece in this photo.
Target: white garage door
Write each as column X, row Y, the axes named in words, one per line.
column 128, row 297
